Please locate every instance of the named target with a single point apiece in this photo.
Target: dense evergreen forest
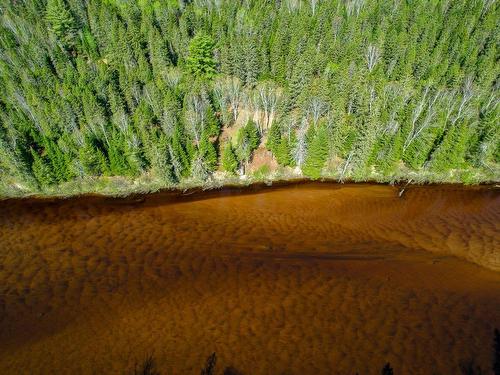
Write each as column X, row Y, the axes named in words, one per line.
column 176, row 91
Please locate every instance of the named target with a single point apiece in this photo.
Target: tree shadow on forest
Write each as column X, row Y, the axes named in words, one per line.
column 470, row 367
column 467, row 367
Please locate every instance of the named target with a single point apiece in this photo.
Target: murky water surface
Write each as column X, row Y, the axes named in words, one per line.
column 303, row 279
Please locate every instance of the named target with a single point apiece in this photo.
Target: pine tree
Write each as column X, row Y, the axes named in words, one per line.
column 251, row 61
column 208, row 153
column 179, row 154
column 116, row 155
column 93, row 160
column 229, row 161
column 274, row 137
column 213, row 124
column 61, row 21
column 59, row 161
column 282, row 152
column 252, row 133
column 317, row 154
column 160, row 159
column 41, row 170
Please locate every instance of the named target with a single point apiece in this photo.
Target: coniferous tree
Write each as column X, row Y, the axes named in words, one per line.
column 317, row 154
column 229, row 161
column 283, row 152
column 41, row 170
column 208, row 153
column 247, row 141
column 61, row 21
column 274, row 137
column 92, row 159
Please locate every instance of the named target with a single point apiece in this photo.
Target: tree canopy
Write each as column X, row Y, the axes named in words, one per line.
column 349, row 89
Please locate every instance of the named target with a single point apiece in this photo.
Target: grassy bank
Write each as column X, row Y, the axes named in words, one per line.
column 148, row 183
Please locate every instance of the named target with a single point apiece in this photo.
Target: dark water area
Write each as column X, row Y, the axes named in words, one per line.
column 302, row 279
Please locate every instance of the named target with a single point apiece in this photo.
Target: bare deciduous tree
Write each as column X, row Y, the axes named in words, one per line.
column 176, row 163
column 168, row 122
column 300, row 149
column 314, row 4
column 292, row 5
column 427, row 105
column 354, row 7
column 266, row 98
column 228, row 91
column 289, row 126
column 345, row 166
column 317, row 108
column 467, row 94
column 336, row 24
column 372, row 56
column 196, row 114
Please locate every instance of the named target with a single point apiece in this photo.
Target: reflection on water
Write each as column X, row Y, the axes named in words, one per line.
column 304, row 279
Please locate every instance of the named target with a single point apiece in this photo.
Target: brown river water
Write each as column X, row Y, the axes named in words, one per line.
column 302, row 279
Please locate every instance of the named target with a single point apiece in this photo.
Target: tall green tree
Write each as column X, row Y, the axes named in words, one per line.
column 317, row 154
column 228, row 159
column 61, row 21
column 201, row 62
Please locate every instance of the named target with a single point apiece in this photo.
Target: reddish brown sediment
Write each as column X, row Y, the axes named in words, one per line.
column 303, row 279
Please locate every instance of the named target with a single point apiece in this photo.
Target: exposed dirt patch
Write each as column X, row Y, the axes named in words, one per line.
column 262, row 157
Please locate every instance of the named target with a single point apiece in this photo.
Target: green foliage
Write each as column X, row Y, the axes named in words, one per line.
column 116, row 154
column 247, row 141
column 124, row 88
column 262, row 172
column 274, row 137
column 208, row 152
column 93, row 160
column 282, row 152
column 213, row 124
column 229, row 161
column 317, row 155
column 201, row 62
column 42, row 170
column 61, row 21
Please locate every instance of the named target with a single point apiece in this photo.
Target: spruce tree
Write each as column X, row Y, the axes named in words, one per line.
column 229, row 161
column 208, row 153
column 116, row 155
column 274, row 137
column 61, row 21
column 92, row 159
column 252, row 133
column 247, row 141
column 317, row 154
column 282, row 152
column 41, row 170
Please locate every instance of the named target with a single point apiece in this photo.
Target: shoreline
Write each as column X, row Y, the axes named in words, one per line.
column 239, row 187
column 148, row 183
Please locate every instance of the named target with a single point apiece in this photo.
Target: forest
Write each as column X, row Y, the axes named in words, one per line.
column 176, row 92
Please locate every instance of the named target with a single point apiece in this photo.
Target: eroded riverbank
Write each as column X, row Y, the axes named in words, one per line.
column 310, row 278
